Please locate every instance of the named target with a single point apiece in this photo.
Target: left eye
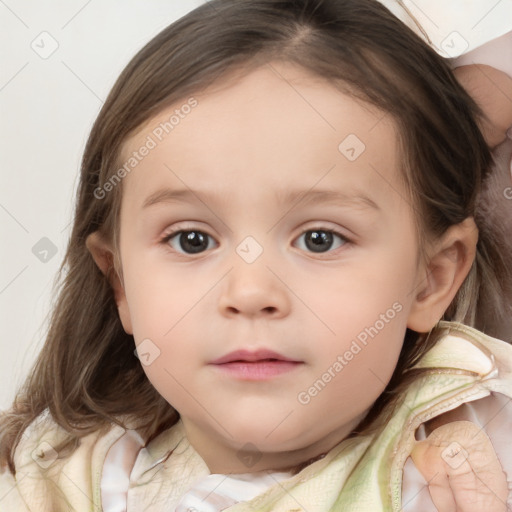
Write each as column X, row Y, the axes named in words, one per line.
column 321, row 240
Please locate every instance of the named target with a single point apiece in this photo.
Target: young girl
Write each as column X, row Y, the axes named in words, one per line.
column 260, row 370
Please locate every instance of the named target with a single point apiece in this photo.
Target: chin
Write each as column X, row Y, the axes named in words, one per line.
column 266, row 437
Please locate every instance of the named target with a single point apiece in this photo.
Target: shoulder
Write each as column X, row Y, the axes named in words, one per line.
column 55, row 468
column 45, row 443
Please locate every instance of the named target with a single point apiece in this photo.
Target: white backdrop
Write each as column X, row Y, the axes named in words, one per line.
column 59, row 60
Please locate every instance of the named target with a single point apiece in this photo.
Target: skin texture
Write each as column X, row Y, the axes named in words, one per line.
column 492, row 90
column 460, row 482
column 306, row 305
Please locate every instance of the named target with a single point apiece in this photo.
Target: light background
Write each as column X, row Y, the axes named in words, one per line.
column 47, row 108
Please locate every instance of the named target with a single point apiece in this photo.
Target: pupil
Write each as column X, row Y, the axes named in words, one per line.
column 193, row 241
column 317, row 238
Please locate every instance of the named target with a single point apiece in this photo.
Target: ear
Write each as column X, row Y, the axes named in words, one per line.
column 104, row 256
column 448, row 265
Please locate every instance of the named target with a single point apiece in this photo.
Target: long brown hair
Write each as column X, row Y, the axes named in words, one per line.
column 87, row 367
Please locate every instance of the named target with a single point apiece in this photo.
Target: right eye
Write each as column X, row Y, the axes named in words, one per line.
column 191, row 241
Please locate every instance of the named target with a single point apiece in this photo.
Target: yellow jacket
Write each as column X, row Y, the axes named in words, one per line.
column 361, row 474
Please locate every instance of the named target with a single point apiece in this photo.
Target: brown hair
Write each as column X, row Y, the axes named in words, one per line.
column 87, row 366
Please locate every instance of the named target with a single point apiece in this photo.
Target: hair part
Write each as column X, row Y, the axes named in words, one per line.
column 87, row 366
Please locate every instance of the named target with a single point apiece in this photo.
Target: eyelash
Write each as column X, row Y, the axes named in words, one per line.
column 171, row 234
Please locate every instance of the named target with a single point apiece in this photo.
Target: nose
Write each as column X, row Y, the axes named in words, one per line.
column 254, row 290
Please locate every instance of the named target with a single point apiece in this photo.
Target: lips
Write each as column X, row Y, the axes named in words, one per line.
column 259, row 365
column 248, row 356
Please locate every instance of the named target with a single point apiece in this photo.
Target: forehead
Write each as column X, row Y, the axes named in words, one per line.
column 272, row 127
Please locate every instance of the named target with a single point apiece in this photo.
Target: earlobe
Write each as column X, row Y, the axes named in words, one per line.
column 448, row 265
column 103, row 255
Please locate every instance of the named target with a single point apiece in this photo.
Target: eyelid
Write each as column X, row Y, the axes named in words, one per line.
column 319, row 225
column 327, row 226
column 179, row 228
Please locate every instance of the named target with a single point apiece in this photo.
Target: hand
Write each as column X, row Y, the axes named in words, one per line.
column 462, row 469
column 492, row 91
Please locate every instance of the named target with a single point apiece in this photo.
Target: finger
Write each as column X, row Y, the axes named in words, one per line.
column 475, row 473
column 462, row 468
column 426, row 458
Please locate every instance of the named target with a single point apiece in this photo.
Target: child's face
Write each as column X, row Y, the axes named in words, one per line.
column 255, row 280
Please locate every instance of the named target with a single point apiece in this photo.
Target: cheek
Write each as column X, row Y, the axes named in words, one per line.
column 367, row 315
column 366, row 363
column 375, row 294
column 169, row 365
column 158, row 299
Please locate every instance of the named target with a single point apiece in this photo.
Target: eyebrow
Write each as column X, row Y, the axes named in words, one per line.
column 358, row 199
